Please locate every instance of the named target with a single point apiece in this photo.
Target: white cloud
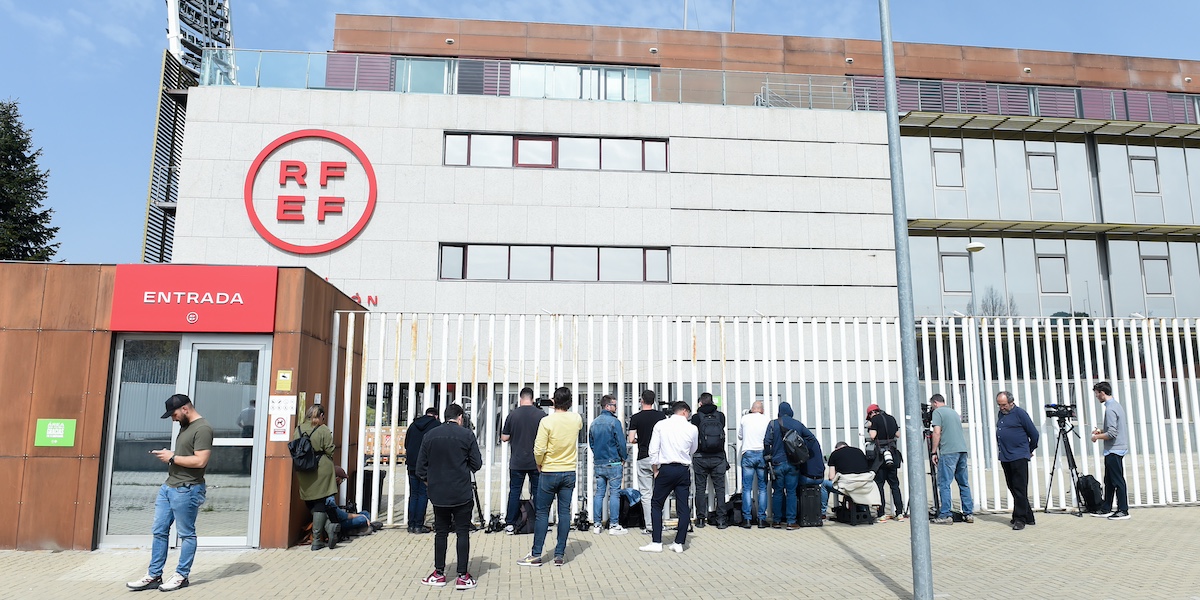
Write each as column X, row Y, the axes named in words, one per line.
column 79, row 17
column 46, row 26
column 120, row 35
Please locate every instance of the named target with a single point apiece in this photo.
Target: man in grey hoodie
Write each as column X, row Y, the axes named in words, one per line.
column 1115, row 438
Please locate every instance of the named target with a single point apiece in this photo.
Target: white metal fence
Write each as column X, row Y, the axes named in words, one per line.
column 828, row 369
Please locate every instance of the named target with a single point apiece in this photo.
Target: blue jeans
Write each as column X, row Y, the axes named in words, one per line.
column 806, row 480
column 753, row 467
column 953, row 465
column 516, row 479
column 551, row 487
column 608, row 476
column 178, row 505
column 418, row 501
column 786, row 480
column 349, row 523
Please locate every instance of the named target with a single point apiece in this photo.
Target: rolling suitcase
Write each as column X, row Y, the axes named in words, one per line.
column 809, row 506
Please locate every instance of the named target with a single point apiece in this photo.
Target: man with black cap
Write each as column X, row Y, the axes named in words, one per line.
column 179, row 499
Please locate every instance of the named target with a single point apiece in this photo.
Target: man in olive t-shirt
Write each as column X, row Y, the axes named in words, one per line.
column 179, row 499
column 950, row 457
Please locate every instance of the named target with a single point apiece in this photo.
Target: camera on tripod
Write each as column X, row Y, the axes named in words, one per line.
column 926, row 416
column 1061, row 411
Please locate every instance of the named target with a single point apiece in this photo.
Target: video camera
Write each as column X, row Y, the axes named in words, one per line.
column 545, row 402
column 926, row 415
column 1061, row 411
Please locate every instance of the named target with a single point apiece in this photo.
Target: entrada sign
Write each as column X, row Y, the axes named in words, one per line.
column 310, row 191
column 194, row 298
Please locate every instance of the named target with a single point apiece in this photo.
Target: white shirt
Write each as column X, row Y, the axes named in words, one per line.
column 674, row 440
column 752, row 430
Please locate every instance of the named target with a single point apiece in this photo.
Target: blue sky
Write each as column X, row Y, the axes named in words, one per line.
column 86, row 72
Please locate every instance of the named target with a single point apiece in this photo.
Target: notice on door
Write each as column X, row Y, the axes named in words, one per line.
column 279, row 420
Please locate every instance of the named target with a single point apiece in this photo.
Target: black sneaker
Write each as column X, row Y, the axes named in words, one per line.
column 746, row 525
column 1120, row 515
column 700, row 523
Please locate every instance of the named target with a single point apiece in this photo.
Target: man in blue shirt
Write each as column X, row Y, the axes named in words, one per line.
column 606, row 439
column 1016, row 438
column 1115, row 438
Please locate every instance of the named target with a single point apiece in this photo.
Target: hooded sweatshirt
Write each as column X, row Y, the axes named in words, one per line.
column 413, row 438
column 773, row 442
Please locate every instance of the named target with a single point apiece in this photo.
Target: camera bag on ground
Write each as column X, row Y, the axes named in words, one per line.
column 630, row 516
column 1090, row 493
column 712, row 434
column 526, row 515
column 794, row 448
column 808, row 506
column 733, row 509
column 304, row 456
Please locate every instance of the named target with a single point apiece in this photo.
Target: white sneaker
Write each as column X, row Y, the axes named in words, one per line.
column 651, row 547
column 677, row 548
column 617, row 530
column 176, row 582
column 145, row 583
column 509, row 529
column 597, row 529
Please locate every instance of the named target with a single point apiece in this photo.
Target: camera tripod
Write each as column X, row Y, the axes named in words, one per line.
column 937, row 498
column 1065, row 427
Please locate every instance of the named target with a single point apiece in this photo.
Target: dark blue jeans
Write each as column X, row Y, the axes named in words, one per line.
column 1114, row 483
column 551, row 487
column 753, row 467
column 784, row 482
column 671, row 479
column 516, row 480
column 418, row 500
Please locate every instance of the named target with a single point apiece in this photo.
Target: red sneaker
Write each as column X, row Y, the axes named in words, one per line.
column 464, row 582
column 435, row 579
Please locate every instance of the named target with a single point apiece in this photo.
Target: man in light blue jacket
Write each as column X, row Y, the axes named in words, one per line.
column 607, row 442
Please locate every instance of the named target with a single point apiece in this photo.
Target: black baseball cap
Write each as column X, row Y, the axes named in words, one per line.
column 175, row 403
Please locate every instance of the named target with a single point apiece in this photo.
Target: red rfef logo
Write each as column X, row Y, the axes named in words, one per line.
column 310, row 191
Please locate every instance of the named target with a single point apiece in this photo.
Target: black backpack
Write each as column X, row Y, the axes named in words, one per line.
column 526, row 516
column 304, row 456
column 712, row 434
column 1090, row 493
column 794, row 448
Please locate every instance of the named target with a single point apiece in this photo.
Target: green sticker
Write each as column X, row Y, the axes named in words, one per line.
column 55, row 432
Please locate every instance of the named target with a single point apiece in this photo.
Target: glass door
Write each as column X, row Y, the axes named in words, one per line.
column 227, row 381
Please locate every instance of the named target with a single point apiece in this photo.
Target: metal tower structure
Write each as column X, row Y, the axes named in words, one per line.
column 193, row 25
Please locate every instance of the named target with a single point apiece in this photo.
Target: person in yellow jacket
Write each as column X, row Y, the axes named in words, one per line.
column 555, row 452
column 318, row 484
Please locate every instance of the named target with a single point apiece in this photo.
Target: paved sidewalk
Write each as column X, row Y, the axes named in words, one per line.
column 1150, row 556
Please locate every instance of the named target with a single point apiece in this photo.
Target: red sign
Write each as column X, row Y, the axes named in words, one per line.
column 316, row 205
column 194, row 298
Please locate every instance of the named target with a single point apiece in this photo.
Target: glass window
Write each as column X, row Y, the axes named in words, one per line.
column 456, row 149
column 656, row 265
column 622, row 155
column 947, row 169
column 535, row 153
column 1042, row 172
column 487, row 262
column 1145, row 175
column 530, row 263
column 1052, row 274
column 427, row 76
column 491, row 151
column 578, row 153
column 621, row 264
column 956, row 273
column 656, row 156
column 452, row 262
column 529, row 81
column 1158, row 275
column 574, row 264
column 614, row 84
column 563, row 82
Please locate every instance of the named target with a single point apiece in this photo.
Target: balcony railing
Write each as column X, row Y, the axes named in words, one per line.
column 491, row 77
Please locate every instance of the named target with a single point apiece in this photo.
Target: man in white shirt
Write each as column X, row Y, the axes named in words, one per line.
column 751, row 431
column 671, row 447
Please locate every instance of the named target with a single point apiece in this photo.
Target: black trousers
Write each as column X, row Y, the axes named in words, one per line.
column 706, row 468
column 889, row 475
column 458, row 518
column 671, row 479
column 1114, row 483
column 1016, row 475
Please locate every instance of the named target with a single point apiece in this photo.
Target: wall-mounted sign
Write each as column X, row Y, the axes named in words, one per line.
column 194, row 298
column 283, row 380
column 55, row 432
column 279, row 418
column 310, row 191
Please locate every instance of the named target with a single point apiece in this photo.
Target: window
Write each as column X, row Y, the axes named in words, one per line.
column 621, row 155
column 1042, row 172
column 578, row 153
column 427, row 76
column 656, row 156
column 1157, row 272
column 1052, row 274
column 535, row 152
column 956, row 273
column 491, row 262
column 1145, row 175
column 947, row 169
column 456, row 149
column 491, row 151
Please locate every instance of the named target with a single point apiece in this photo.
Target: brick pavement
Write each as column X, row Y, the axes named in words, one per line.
column 1149, row 556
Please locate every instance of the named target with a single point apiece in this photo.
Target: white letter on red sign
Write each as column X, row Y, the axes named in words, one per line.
column 291, row 208
column 332, row 169
column 294, row 170
column 329, row 204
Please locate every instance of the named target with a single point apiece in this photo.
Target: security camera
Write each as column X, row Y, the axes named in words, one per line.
column 654, row 51
column 449, row 41
column 1027, row 70
column 1187, row 79
column 849, row 60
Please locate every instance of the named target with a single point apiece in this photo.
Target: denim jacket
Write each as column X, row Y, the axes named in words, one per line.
column 606, row 439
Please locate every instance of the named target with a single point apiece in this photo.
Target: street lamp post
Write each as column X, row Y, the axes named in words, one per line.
column 972, row 248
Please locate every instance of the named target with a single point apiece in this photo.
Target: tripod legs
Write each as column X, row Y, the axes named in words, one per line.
column 1063, row 442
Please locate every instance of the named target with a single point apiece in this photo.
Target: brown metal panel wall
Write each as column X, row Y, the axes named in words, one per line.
column 751, row 52
column 21, row 286
column 48, row 511
column 12, row 472
column 18, row 351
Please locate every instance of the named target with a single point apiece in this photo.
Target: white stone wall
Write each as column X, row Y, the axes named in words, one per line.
column 779, row 211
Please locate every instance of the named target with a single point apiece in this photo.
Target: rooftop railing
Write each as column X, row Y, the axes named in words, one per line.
column 491, row 77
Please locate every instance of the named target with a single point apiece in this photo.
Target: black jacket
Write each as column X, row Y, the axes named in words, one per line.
column 449, row 454
column 703, row 411
column 413, row 438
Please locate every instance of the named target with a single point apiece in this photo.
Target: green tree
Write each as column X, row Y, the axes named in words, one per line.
column 25, row 231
